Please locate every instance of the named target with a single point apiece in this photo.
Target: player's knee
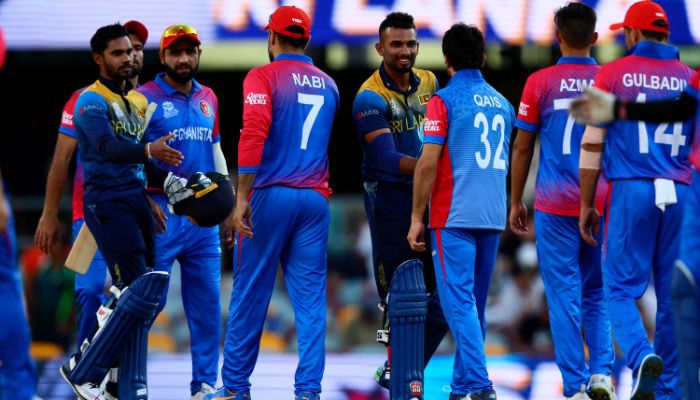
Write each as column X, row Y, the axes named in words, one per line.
column 407, row 294
column 142, row 298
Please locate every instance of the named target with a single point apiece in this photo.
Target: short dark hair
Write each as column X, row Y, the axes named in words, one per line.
column 464, row 47
column 102, row 36
column 297, row 43
column 396, row 20
column 660, row 36
column 576, row 24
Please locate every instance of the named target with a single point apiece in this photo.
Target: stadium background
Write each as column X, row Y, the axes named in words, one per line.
column 48, row 59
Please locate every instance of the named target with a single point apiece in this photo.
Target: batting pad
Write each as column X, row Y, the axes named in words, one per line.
column 136, row 306
column 132, row 365
column 408, row 307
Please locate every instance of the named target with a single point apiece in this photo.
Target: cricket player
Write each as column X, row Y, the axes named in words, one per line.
column 282, row 212
column 649, row 172
column 109, row 121
column 463, row 171
column 389, row 109
column 89, row 288
column 190, row 111
column 601, row 107
column 570, row 268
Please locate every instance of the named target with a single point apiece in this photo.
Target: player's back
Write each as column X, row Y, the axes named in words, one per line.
column 304, row 101
column 694, row 90
column 480, row 121
column 636, row 149
column 544, row 109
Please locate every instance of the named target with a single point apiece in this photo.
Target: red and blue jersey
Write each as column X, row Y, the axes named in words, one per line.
column 544, row 108
column 636, row 149
column 693, row 89
column 288, row 112
column 473, row 122
column 67, row 128
column 193, row 118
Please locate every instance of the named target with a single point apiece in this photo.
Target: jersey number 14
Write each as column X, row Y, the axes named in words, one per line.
column 675, row 139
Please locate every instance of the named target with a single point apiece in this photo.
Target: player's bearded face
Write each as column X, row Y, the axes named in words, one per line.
column 399, row 48
column 138, row 56
column 117, row 59
column 181, row 62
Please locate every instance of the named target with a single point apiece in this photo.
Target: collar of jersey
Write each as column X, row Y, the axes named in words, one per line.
column 470, row 74
column 171, row 91
column 655, row 50
column 114, row 87
column 294, row 57
column 576, row 60
column 413, row 79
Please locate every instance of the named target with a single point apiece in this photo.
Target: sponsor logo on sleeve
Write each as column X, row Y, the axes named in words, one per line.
column 431, row 125
column 522, row 110
column 365, row 113
column 67, row 119
column 256, row 98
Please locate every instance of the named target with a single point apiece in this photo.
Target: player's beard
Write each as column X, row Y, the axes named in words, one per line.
column 181, row 77
column 119, row 73
column 135, row 71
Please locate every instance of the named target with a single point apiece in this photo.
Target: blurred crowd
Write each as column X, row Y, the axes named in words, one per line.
column 516, row 313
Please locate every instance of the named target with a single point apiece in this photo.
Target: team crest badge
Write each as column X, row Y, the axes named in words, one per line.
column 416, row 388
column 205, row 108
column 423, row 98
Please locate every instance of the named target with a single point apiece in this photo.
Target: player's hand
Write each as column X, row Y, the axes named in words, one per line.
column 518, row 219
column 241, row 218
column 595, row 107
column 4, row 215
column 416, row 236
column 46, row 232
column 159, row 215
column 588, row 225
column 161, row 151
column 226, row 230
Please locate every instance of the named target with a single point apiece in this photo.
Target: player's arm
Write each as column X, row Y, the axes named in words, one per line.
column 46, row 231
column 528, row 124
column 257, row 119
column 369, row 113
column 523, row 150
column 101, row 137
column 4, row 212
column 598, row 106
column 434, row 136
column 592, row 145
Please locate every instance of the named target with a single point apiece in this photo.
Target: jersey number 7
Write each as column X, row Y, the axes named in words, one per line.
column 316, row 102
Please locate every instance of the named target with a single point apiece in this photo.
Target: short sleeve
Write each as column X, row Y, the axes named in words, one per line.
column 693, row 87
column 528, row 118
column 368, row 111
column 67, row 126
column 435, row 123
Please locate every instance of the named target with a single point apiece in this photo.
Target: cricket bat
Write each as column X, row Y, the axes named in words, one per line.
column 83, row 251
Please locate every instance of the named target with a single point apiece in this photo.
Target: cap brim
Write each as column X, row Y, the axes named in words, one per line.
column 617, row 26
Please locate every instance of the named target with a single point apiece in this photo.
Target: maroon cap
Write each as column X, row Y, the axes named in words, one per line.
column 285, row 17
column 175, row 32
column 137, row 29
column 642, row 15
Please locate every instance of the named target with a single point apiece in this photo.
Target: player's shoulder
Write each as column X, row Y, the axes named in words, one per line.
column 373, row 83
column 425, row 76
column 368, row 98
column 148, row 88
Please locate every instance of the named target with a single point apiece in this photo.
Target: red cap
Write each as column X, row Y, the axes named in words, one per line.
column 642, row 15
column 138, row 29
column 175, row 32
column 285, row 17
